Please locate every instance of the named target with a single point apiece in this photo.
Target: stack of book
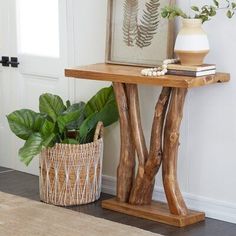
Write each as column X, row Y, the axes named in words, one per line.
column 192, row 71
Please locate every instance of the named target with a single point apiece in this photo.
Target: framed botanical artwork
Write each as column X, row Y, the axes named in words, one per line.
column 137, row 34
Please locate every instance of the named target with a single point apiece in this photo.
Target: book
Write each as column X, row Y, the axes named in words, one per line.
column 204, row 67
column 191, row 73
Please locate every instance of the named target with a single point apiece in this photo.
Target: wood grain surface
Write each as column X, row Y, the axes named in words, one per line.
column 170, row 152
column 156, row 211
column 132, row 75
column 125, row 170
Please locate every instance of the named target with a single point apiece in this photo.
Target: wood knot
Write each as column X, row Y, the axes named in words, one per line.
column 174, row 137
column 209, row 79
column 124, row 108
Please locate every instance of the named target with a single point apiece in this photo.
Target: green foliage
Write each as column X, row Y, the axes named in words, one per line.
column 171, row 12
column 47, row 128
column 71, row 117
column 51, row 105
column 101, row 107
column 25, row 122
column 56, row 122
column 97, row 102
column 32, row 147
column 205, row 13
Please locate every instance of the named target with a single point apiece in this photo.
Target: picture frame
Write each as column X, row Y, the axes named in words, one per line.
column 138, row 53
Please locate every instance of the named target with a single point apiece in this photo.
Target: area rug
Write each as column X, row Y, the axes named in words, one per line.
column 23, row 217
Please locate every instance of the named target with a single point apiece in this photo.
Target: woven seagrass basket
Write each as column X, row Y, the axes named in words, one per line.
column 71, row 174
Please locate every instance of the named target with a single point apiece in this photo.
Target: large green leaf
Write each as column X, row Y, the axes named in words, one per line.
column 24, row 123
column 33, row 146
column 72, row 117
column 52, row 105
column 108, row 115
column 97, row 102
column 101, row 107
column 47, row 128
column 49, row 141
column 89, row 137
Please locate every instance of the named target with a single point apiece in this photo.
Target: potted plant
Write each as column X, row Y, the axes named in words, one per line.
column 192, row 43
column 69, row 140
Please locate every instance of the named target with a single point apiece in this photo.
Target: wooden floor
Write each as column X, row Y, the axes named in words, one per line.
column 26, row 185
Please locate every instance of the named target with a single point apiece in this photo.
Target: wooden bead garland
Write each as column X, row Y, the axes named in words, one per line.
column 159, row 71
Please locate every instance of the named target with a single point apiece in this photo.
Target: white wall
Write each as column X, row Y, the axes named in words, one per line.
column 89, row 43
column 207, row 155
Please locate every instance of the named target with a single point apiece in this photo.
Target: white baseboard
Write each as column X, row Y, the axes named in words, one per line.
column 213, row 208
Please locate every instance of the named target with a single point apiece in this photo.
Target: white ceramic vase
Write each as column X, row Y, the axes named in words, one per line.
column 192, row 43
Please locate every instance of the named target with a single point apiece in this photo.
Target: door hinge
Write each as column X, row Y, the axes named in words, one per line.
column 7, row 62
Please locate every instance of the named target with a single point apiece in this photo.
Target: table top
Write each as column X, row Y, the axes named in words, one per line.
column 132, row 75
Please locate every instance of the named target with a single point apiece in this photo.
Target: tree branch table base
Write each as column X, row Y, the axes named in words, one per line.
column 135, row 190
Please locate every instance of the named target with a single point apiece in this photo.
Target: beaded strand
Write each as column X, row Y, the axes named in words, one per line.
column 159, row 71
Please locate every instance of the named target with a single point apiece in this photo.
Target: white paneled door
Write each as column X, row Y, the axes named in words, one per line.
column 35, row 32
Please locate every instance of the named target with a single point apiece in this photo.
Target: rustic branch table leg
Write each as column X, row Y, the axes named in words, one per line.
column 171, row 143
column 139, row 141
column 149, row 164
column 154, row 161
column 135, row 197
column 125, row 171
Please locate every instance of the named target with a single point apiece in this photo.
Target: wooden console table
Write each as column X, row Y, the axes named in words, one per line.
column 134, row 193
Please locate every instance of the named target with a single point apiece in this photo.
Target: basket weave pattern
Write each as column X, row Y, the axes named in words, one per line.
column 71, row 174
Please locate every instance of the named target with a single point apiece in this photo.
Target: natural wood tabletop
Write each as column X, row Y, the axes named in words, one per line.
column 132, row 75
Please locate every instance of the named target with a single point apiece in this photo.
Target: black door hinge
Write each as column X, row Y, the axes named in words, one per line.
column 7, row 62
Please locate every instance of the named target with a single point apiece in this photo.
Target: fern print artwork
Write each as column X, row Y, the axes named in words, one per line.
column 130, row 24
column 137, row 34
column 140, row 32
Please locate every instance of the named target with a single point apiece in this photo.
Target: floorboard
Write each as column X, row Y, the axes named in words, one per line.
column 26, row 185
